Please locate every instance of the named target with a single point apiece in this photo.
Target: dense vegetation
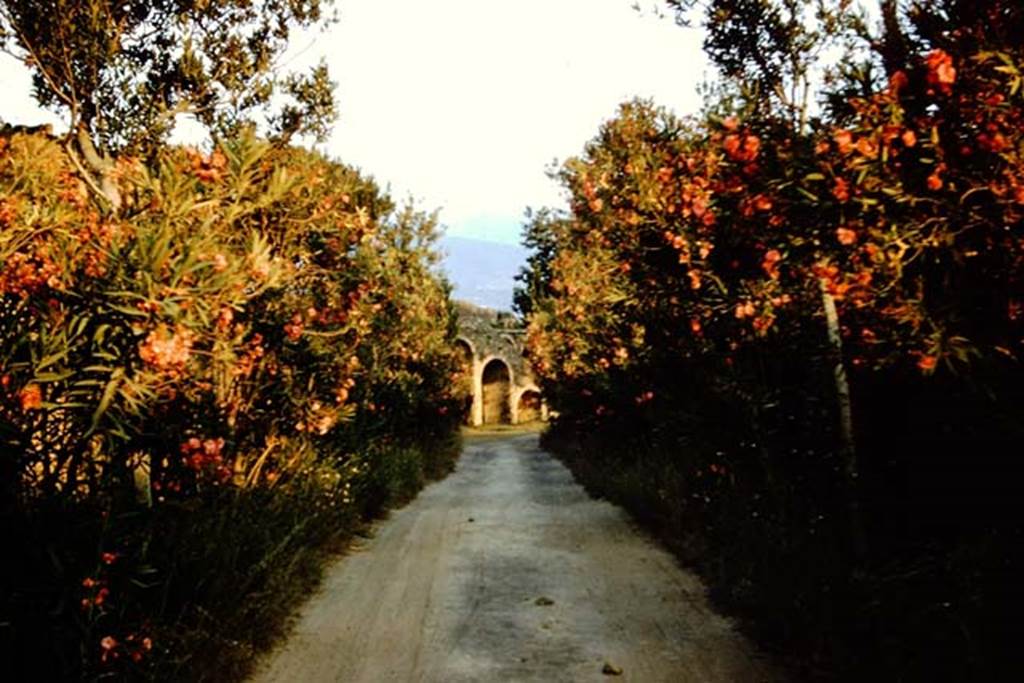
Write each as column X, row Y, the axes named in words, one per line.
column 199, row 392
column 215, row 364
column 789, row 336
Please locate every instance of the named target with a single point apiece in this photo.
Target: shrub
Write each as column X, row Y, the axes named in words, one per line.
column 783, row 342
column 200, row 391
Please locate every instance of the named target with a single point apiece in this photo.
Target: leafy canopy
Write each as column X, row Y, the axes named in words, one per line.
column 123, row 69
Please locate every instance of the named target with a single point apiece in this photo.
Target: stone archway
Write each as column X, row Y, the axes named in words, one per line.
column 467, row 358
column 493, row 342
column 496, row 381
column 465, row 351
column 529, row 407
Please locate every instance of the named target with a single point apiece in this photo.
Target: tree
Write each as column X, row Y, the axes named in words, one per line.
column 121, row 71
column 765, row 249
column 540, row 236
column 773, row 50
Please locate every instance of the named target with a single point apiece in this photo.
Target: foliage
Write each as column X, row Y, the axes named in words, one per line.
column 258, row 336
column 123, row 72
column 774, row 51
column 124, row 69
column 539, row 237
column 923, row 190
column 717, row 279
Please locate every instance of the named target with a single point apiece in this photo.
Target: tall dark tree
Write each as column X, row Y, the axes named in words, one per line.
column 541, row 235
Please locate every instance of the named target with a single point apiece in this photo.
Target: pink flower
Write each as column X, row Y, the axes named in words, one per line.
column 941, row 71
column 867, row 148
column 898, row 81
column 844, row 141
column 164, row 351
column 841, row 190
column 31, row 397
column 770, row 263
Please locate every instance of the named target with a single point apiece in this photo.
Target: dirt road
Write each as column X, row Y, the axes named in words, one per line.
column 509, row 571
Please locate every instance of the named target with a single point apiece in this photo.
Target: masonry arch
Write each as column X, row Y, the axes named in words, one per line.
column 466, row 349
column 466, row 354
column 496, row 391
column 529, row 405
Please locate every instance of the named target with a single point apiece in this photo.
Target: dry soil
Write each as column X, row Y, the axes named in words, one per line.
column 508, row 571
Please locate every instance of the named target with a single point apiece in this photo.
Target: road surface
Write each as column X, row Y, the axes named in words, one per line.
column 508, row 571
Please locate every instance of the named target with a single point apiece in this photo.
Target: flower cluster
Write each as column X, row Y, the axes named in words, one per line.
column 134, row 647
column 25, row 274
column 941, row 72
column 209, row 168
column 167, row 351
column 205, row 457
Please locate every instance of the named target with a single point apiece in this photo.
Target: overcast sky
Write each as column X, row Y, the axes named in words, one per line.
column 464, row 103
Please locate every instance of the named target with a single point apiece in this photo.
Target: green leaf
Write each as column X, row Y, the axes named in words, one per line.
column 53, row 376
column 128, row 310
column 810, row 195
column 108, row 397
column 51, row 360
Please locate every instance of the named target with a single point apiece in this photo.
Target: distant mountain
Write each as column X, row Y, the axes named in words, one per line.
column 482, row 272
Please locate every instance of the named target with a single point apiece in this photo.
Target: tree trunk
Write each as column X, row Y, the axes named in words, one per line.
column 894, row 43
column 99, row 174
column 847, row 444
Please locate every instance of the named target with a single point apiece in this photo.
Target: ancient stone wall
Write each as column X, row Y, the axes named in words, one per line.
column 502, row 387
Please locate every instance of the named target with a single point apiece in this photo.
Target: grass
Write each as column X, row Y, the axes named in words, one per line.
column 214, row 582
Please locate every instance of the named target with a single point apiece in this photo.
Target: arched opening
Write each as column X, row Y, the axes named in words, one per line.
column 465, row 379
column 528, row 409
column 497, row 380
column 465, row 351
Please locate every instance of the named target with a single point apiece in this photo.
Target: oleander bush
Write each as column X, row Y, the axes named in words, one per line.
column 791, row 341
column 202, row 391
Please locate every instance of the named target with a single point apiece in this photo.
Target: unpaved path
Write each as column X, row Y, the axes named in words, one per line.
column 447, row 590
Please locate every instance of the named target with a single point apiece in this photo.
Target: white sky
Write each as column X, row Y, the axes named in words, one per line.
column 463, row 104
